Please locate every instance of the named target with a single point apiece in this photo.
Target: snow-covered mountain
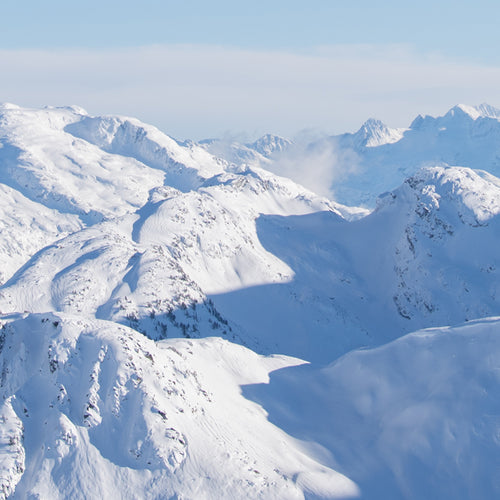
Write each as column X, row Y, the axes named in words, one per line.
column 270, row 144
column 466, row 135
column 91, row 409
column 358, row 167
column 182, row 324
column 372, row 133
column 261, row 152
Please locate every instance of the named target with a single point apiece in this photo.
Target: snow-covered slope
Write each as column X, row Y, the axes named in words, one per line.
column 26, row 227
column 50, row 166
column 239, row 256
column 53, row 181
column 416, row 418
column 156, row 269
column 311, row 285
column 91, row 409
column 185, row 166
column 153, row 266
column 426, row 257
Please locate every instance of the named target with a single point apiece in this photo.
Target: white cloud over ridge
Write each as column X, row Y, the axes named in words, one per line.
column 316, row 166
column 198, row 91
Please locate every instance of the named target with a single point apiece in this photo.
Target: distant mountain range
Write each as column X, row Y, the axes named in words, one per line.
column 376, row 158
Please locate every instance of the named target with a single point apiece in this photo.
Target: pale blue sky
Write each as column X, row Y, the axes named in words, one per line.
column 125, row 56
column 457, row 28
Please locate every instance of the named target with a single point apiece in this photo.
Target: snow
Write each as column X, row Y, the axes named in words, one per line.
column 107, row 412
column 357, row 167
column 481, row 111
column 27, row 228
column 257, row 153
column 269, row 144
column 50, row 166
column 416, row 418
column 374, row 133
column 179, row 323
column 185, row 167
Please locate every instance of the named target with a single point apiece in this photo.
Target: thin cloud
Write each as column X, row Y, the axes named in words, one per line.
column 202, row 91
column 317, row 165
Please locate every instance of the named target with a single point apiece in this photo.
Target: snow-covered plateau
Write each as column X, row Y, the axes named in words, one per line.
column 179, row 321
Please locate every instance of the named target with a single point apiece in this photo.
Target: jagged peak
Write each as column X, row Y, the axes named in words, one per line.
column 483, row 110
column 487, row 110
column 376, row 133
column 372, row 125
column 474, row 194
column 269, row 144
column 461, row 110
column 455, row 114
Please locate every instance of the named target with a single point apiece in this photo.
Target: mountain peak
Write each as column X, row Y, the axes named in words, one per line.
column 488, row 111
column 470, row 194
column 376, row 133
column 372, row 125
column 269, row 144
column 8, row 105
column 483, row 110
column 460, row 113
